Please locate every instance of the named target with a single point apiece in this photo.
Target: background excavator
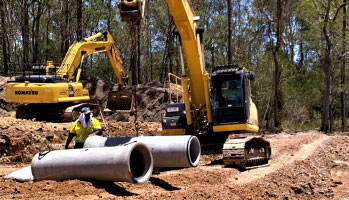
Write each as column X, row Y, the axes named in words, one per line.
column 55, row 92
column 214, row 107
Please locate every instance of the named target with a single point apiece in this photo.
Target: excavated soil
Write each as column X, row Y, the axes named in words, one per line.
column 304, row 165
column 148, row 104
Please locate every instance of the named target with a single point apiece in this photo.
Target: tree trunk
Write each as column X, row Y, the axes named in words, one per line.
column 326, row 68
column 230, row 33
column 151, row 55
column 343, row 111
column 66, row 27
column 36, row 33
column 79, row 20
column 278, row 102
column 148, row 36
column 212, row 56
column 4, row 37
column 25, row 32
column 47, row 32
column 109, row 15
column 163, row 62
column 170, row 45
column 301, row 58
column 139, row 53
column 133, row 54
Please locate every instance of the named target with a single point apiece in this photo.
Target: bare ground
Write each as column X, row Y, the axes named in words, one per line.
column 304, row 165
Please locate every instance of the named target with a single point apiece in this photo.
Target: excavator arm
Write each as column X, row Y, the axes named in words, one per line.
column 82, row 49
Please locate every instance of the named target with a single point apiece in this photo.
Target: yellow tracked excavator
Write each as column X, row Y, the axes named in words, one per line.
column 215, row 106
column 56, row 93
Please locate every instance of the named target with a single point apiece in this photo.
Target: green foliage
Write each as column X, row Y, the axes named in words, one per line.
column 302, row 75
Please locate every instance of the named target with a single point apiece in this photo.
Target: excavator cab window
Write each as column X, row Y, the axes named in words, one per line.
column 229, row 96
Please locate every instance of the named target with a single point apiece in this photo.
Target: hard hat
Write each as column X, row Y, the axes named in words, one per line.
column 85, row 110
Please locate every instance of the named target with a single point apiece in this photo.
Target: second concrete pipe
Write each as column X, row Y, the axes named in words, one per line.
column 167, row 151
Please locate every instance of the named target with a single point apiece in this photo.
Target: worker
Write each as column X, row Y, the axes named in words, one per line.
column 84, row 126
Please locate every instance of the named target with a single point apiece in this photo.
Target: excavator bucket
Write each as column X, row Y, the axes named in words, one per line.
column 131, row 10
column 120, row 101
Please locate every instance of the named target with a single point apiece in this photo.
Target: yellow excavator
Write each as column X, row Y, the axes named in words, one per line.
column 215, row 107
column 51, row 92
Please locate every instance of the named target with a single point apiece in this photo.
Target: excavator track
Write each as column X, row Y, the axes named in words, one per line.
column 246, row 153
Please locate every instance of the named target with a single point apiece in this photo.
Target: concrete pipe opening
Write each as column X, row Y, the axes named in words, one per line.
column 194, row 151
column 140, row 164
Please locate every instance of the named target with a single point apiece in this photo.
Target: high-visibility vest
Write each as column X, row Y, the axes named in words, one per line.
column 81, row 132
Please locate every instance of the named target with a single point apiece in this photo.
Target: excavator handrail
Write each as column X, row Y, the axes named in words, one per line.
column 177, row 90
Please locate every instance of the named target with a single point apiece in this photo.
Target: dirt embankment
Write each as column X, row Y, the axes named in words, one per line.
column 21, row 139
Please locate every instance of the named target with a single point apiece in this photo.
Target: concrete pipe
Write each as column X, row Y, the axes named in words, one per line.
column 168, row 151
column 131, row 162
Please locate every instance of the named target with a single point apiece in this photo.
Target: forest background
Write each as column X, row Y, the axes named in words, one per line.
column 297, row 48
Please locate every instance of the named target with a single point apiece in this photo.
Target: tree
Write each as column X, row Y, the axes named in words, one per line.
column 275, row 32
column 79, row 19
column 133, row 58
column 278, row 104
column 25, row 31
column 327, row 70
column 36, row 29
column 139, row 53
column 344, row 43
column 230, row 33
column 4, row 37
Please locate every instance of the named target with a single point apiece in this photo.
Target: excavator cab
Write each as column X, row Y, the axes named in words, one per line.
column 131, row 10
column 231, row 94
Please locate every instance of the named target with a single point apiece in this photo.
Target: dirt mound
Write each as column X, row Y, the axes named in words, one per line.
column 150, row 99
column 20, row 139
column 150, row 103
column 3, row 104
column 98, row 89
column 5, row 108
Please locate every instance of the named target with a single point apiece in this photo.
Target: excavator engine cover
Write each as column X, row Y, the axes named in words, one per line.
column 131, row 10
column 119, row 100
